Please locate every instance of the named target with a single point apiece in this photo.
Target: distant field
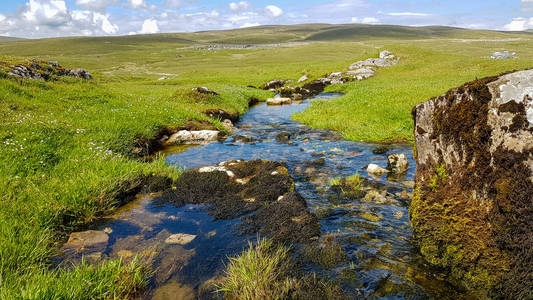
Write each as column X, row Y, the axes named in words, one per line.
column 66, row 144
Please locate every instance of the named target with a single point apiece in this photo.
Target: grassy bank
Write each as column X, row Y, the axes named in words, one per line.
column 66, row 144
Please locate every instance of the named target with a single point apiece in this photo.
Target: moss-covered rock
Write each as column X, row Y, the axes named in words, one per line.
column 473, row 201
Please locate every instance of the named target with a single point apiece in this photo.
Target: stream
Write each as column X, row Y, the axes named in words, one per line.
column 382, row 262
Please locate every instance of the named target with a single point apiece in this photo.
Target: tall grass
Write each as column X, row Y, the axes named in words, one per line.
column 260, row 272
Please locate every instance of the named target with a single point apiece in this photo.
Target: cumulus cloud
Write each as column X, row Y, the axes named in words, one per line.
column 274, row 11
column 95, row 5
column 238, row 6
column 149, row 26
column 139, row 4
column 519, row 24
column 246, row 25
column 366, row 20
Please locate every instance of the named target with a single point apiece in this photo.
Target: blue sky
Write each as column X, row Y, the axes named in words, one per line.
column 50, row 18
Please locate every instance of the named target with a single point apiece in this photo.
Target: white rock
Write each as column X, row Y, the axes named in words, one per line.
column 180, row 239
column 376, row 170
column 279, row 101
column 193, row 137
column 386, row 54
column 335, row 75
column 228, row 125
column 303, row 78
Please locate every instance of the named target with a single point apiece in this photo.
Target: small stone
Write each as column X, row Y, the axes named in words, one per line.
column 180, row 239
column 375, row 197
column 376, row 170
column 303, row 78
column 398, row 215
column 204, row 90
column 108, row 230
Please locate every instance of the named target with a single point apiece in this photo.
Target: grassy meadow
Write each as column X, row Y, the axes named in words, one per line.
column 66, row 144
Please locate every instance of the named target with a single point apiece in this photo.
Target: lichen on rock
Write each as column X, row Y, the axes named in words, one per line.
column 473, row 202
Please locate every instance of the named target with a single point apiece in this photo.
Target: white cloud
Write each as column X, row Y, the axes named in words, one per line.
column 274, row 11
column 409, row 14
column 367, row 20
column 105, row 25
column 139, row 4
column 519, row 24
column 149, row 26
column 238, row 6
column 45, row 12
column 2, row 17
column 245, row 25
column 95, row 5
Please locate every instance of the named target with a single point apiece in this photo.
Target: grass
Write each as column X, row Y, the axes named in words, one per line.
column 66, row 144
column 260, row 272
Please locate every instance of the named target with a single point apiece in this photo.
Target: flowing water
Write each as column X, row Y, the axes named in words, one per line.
column 382, row 262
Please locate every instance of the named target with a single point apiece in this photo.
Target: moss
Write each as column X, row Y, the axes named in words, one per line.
column 327, row 254
column 486, row 246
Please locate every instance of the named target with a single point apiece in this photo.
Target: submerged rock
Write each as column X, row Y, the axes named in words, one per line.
column 473, row 204
column 180, row 239
column 87, row 241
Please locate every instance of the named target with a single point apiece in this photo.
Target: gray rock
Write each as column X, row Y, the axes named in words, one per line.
column 54, row 64
column 80, row 73
column 386, row 55
column 274, row 84
column 475, row 168
column 193, row 137
column 503, row 55
column 303, row 78
column 397, row 163
column 335, row 75
column 377, row 62
column 204, row 90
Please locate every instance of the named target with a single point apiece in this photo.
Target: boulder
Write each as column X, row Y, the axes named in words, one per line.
column 376, row 170
column 377, row 62
column 192, row 137
column 472, row 206
column 279, row 101
column 397, row 163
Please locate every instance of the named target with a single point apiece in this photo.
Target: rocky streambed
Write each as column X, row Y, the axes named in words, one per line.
column 302, row 187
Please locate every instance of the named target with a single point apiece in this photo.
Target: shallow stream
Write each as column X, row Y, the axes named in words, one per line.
column 382, row 262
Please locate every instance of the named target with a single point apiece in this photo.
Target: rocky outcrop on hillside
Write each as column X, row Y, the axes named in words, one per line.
column 41, row 70
column 473, row 203
column 357, row 71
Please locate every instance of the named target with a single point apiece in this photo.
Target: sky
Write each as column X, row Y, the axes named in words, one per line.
column 53, row 18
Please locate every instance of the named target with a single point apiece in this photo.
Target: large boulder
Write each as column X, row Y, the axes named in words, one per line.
column 473, row 202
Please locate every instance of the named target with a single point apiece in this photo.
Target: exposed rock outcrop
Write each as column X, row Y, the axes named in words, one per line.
column 473, row 203
column 40, row 70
